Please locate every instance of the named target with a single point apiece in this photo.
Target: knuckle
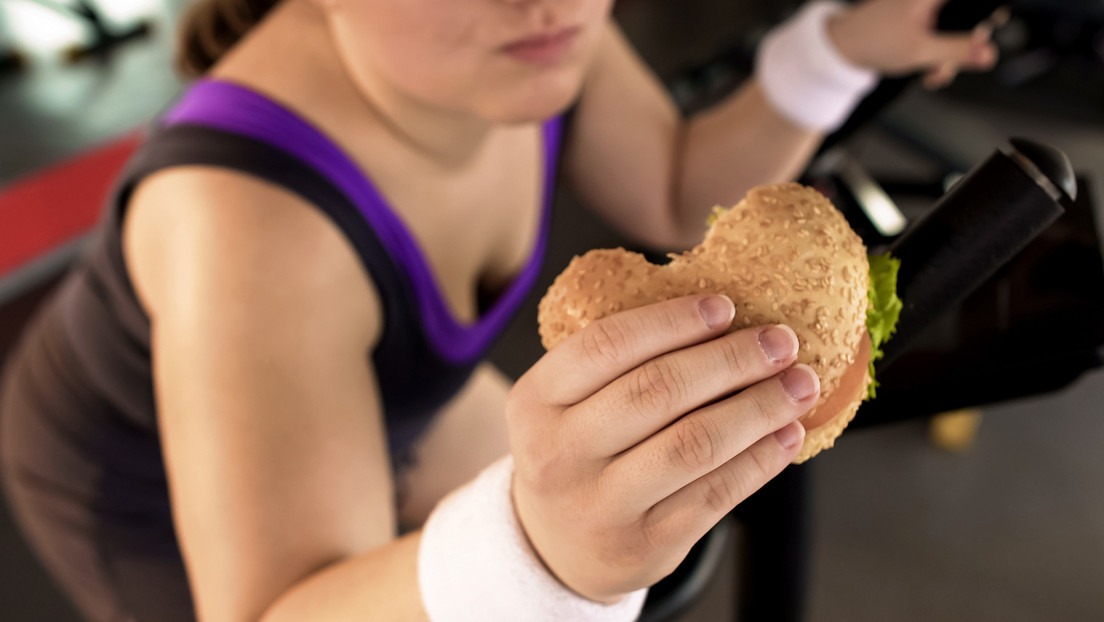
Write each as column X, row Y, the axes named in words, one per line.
column 736, row 359
column 540, row 462
column 774, row 413
column 525, row 406
column 665, row 535
column 719, row 493
column 621, row 552
column 667, row 319
column 540, row 469
column 657, row 385
column 606, row 343
column 532, row 386
column 762, row 467
column 667, row 544
column 695, row 445
column 518, row 400
column 656, row 534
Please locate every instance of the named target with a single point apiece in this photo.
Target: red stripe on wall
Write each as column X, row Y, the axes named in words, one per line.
column 51, row 207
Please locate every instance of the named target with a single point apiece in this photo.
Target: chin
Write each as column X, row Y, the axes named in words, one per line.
column 534, row 101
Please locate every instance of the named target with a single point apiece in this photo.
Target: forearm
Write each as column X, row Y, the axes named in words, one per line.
column 381, row 584
column 655, row 176
column 730, row 148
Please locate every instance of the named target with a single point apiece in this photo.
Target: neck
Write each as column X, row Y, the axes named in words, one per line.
column 300, row 60
column 449, row 137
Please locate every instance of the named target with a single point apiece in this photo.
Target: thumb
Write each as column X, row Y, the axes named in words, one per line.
column 940, row 77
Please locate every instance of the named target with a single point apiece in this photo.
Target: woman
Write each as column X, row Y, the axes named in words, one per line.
column 268, row 362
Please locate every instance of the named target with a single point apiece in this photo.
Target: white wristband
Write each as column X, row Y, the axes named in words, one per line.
column 476, row 564
column 804, row 76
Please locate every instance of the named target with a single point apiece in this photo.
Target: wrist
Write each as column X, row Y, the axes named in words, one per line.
column 527, row 529
column 845, row 42
column 805, row 75
column 476, row 563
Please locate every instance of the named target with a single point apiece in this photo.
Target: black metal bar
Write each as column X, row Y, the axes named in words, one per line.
column 773, row 550
column 977, row 227
column 955, row 16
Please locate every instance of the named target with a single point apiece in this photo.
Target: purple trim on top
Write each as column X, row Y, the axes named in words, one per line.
column 237, row 109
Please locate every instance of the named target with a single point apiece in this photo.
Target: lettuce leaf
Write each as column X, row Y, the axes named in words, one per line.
column 714, row 214
column 884, row 310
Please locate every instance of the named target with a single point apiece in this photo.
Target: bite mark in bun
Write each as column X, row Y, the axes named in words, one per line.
column 784, row 255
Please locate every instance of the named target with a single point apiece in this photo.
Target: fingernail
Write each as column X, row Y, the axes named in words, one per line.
column 778, row 342
column 791, row 435
column 717, row 311
column 800, row 381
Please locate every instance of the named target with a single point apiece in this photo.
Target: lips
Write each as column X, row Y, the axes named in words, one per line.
column 543, row 49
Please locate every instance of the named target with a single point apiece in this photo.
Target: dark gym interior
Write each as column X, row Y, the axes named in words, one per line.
column 1002, row 521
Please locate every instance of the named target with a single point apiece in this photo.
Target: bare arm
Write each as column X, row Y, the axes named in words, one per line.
column 270, row 419
column 273, row 437
column 655, row 176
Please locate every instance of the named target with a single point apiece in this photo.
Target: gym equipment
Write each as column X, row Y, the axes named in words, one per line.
column 104, row 38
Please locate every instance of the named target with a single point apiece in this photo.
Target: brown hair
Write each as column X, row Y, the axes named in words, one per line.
column 211, row 27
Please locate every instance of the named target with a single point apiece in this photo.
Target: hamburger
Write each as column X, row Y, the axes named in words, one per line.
column 784, row 255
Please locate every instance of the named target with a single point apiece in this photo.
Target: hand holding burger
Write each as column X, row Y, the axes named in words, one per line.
column 784, row 255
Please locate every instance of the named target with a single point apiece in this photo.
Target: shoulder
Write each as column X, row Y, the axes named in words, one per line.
column 223, row 237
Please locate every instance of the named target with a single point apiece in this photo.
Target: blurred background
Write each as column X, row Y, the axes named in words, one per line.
column 993, row 514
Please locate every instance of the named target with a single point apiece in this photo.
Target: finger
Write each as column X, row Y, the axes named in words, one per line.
column 647, row 398
column 941, row 76
column 694, row 509
column 604, row 350
column 960, row 50
column 705, row 440
column 998, row 18
column 985, row 53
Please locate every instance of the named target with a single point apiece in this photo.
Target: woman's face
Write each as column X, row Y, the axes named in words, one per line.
column 503, row 60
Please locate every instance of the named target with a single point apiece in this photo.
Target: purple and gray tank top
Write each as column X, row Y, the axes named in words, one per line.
column 82, row 460
column 425, row 354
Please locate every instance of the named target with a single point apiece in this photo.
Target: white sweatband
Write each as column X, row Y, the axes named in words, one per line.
column 475, row 563
column 804, row 76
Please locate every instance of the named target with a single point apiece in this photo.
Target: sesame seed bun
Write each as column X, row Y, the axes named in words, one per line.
column 784, row 255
